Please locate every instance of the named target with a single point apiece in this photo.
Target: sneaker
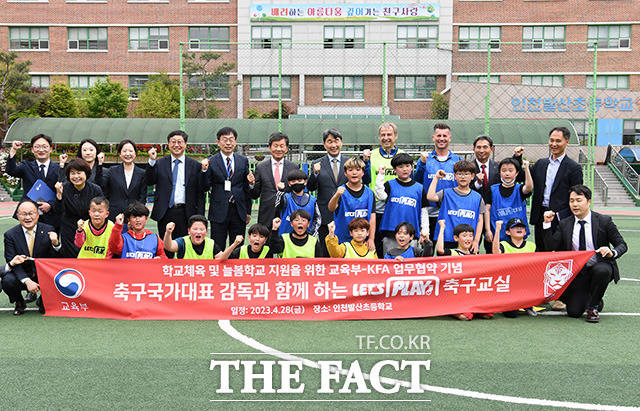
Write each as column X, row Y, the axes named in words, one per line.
column 530, row 311
column 593, row 316
column 558, row 306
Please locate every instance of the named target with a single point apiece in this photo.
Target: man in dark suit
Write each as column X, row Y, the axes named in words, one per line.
column 29, row 239
column 179, row 192
column 270, row 177
column 487, row 174
column 325, row 176
column 552, row 178
column 586, row 230
column 42, row 168
column 226, row 174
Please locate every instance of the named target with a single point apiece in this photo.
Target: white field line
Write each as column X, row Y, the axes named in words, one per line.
column 226, row 326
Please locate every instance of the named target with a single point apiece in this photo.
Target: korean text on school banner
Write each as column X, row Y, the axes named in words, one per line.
column 303, row 289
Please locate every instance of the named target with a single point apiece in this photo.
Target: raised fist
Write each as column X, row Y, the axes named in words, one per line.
column 80, row 225
column 281, row 186
column 423, row 156
column 332, row 228
column 153, row 153
column 239, row 239
column 16, row 145
column 340, row 190
column 170, row 227
column 59, row 189
column 441, row 174
column 366, row 155
column 120, row 219
column 499, row 223
column 518, row 151
column 100, row 158
column 205, row 164
column 62, row 159
column 251, row 178
column 53, row 236
column 276, row 224
column 525, row 164
column 548, row 216
column 316, row 168
column 441, row 223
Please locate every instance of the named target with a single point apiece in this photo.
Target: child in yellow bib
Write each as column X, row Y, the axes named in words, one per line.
column 196, row 245
column 298, row 243
column 92, row 236
column 516, row 230
column 357, row 247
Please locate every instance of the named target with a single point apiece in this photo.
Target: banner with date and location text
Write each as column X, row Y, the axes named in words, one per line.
column 303, row 289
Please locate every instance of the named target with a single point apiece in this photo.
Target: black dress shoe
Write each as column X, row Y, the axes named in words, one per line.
column 20, row 307
column 40, row 305
column 593, row 316
column 30, row 298
column 600, row 306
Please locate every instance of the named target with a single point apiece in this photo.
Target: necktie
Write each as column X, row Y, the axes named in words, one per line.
column 582, row 238
column 174, row 180
column 334, row 167
column 276, row 174
column 229, row 169
column 42, row 172
column 485, row 180
column 30, row 241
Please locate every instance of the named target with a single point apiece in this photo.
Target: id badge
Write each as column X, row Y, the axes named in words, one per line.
column 227, row 185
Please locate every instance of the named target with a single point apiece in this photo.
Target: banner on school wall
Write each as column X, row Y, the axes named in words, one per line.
column 303, row 289
column 345, row 12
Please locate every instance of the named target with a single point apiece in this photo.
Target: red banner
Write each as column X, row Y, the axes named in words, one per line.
column 303, row 289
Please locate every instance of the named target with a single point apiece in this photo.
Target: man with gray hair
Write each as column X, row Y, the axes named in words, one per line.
column 326, row 175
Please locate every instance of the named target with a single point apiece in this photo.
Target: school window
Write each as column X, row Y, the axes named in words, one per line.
column 84, row 83
column 40, row 82
column 609, row 82
column 609, row 37
column 214, row 89
column 148, row 38
column 270, row 37
column 479, row 79
column 87, row 38
column 29, row 38
column 551, row 81
column 421, row 37
column 414, row 87
column 343, row 37
column 136, row 85
column 209, row 38
column 478, row 38
column 343, row 87
column 631, row 133
column 582, row 130
column 543, row 38
column 266, row 87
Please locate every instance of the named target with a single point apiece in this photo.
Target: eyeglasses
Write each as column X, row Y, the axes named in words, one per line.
column 29, row 214
column 41, row 147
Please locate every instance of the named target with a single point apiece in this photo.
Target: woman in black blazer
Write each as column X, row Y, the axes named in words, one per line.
column 124, row 183
column 89, row 151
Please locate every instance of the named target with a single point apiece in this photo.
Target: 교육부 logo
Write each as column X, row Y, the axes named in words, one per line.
column 69, row 283
column 556, row 276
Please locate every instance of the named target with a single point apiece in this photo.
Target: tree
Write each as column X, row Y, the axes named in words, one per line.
column 107, row 99
column 15, row 84
column 61, row 102
column 203, row 77
column 439, row 106
column 160, row 98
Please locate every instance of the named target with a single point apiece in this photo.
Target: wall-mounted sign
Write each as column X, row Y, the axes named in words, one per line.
column 346, row 12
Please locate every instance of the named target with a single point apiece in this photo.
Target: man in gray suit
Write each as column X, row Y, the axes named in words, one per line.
column 326, row 175
column 270, row 177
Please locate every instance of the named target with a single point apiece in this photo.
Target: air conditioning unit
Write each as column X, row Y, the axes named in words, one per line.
column 194, row 44
column 464, row 45
column 163, row 44
column 537, row 44
column 73, row 44
column 494, row 44
column 43, row 44
column 623, row 43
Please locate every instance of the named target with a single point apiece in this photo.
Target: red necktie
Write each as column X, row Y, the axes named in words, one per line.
column 484, row 175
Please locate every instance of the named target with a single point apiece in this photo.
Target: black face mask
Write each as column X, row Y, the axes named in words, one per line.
column 296, row 188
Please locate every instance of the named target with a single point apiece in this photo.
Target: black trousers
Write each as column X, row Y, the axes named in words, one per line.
column 587, row 289
column 231, row 227
column 13, row 287
column 323, row 232
column 177, row 215
column 378, row 239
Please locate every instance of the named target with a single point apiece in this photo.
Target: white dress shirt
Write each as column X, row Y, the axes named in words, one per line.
column 46, row 166
column 588, row 235
column 478, row 183
column 224, row 163
column 179, row 192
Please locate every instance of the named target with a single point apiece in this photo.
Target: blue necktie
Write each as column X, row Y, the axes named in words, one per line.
column 174, row 179
column 229, row 169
